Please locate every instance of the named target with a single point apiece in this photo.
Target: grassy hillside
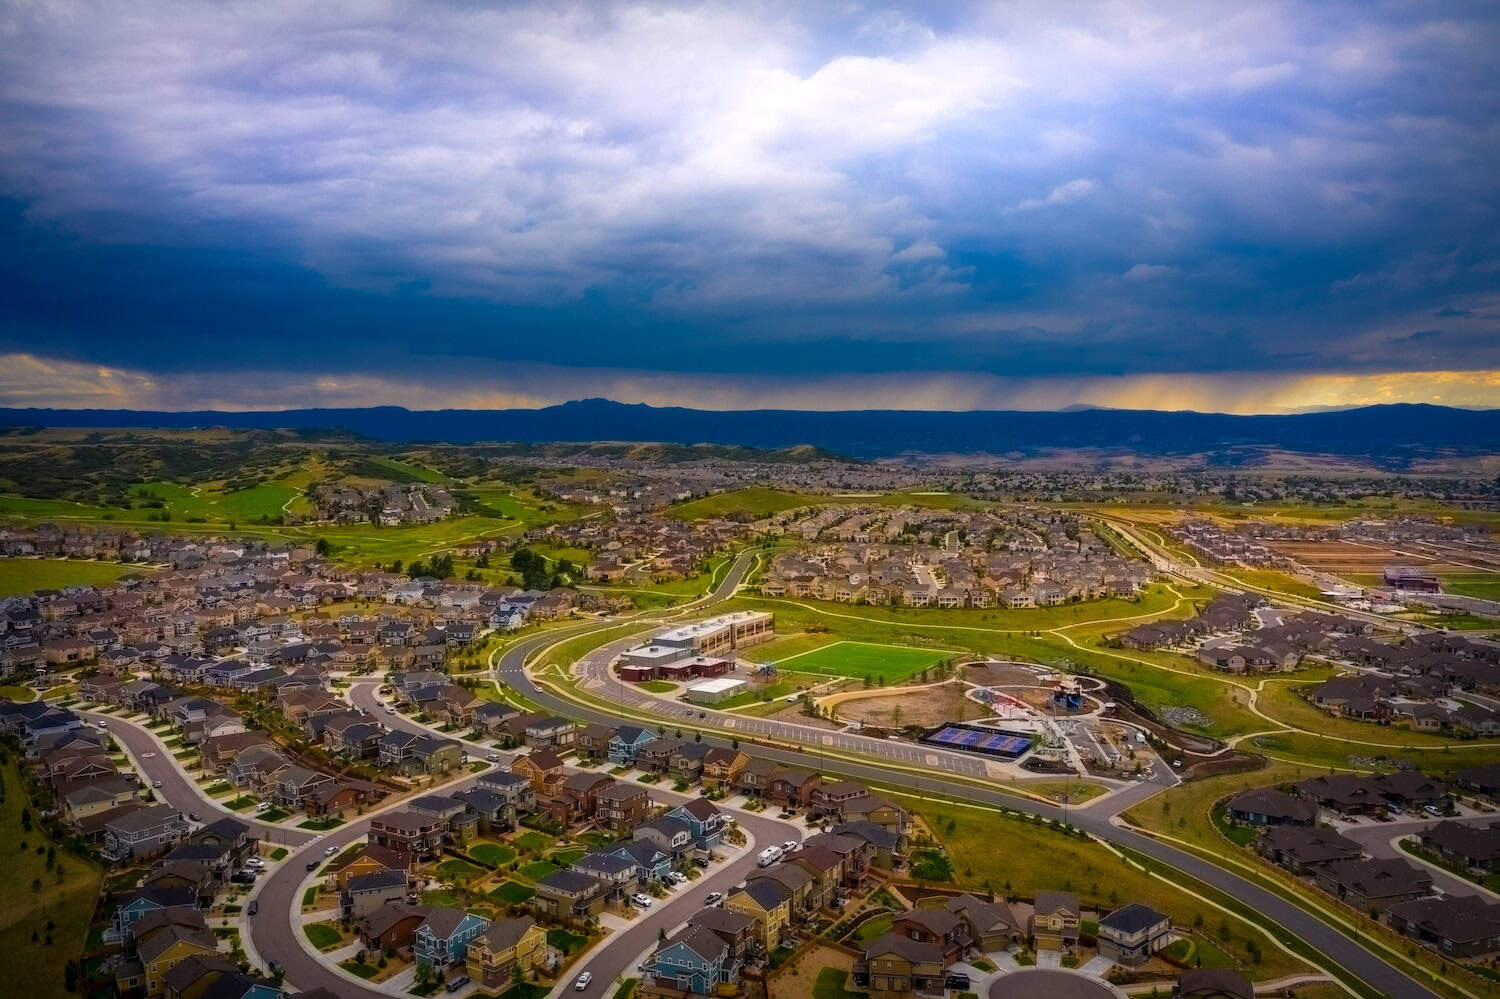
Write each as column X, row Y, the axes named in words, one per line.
column 34, row 896
column 24, row 575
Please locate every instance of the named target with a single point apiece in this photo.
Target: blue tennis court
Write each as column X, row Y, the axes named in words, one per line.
column 980, row 740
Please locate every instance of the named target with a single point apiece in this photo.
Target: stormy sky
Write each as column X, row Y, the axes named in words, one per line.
column 1238, row 207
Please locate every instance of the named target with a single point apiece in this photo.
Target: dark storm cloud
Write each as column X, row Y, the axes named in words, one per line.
column 1028, row 191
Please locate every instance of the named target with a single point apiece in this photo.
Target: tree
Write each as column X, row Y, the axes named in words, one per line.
column 70, row 976
column 323, row 547
column 423, row 974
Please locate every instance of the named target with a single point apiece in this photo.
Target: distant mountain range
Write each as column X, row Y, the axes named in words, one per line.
column 1389, row 435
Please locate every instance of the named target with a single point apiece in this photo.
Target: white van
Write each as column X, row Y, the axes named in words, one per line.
column 262, row 806
column 769, row 856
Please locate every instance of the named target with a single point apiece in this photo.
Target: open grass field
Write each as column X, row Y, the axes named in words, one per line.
column 24, row 575
column 32, row 895
column 1270, row 579
column 859, row 659
column 752, row 503
column 1485, row 585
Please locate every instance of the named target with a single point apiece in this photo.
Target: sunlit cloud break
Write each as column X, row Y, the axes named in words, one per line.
column 27, row 381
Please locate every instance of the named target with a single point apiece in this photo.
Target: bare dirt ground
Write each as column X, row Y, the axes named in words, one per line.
column 795, row 981
column 927, row 706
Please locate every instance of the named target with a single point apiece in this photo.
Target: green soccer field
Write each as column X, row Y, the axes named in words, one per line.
column 858, row 659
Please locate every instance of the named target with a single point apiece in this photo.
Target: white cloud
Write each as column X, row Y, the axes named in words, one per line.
column 1150, row 272
column 1062, row 194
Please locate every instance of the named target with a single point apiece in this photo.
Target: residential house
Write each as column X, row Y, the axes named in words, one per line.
column 1372, row 885
column 722, row 768
column 1133, row 933
column 408, row 832
column 1055, row 921
column 143, row 831
column 704, row 821
column 895, row 966
column 569, row 895
column 365, row 893
column 504, row 948
column 621, row 806
column 392, row 926
column 443, row 938
column 542, row 768
column 626, row 742
column 694, row 960
column 767, row 902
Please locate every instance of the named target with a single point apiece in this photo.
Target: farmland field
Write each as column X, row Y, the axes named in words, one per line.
column 857, row 659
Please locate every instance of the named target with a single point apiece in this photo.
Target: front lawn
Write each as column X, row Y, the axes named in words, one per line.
column 273, row 815
column 241, row 803
column 492, row 853
column 533, row 840
column 564, row 941
column 279, row 853
column 327, row 822
column 479, row 766
column 537, row 869
column 455, row 870
column 830, row 985
column 324, row 936
column 512, row 892
column 218, row 788
column 568, row 857
column 359, row 968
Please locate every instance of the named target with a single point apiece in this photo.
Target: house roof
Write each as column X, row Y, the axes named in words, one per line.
column 378, row 881
column 504, row 934
column 1056, row 901
column 1132, row 918
column 915, row 951
column 703, row 942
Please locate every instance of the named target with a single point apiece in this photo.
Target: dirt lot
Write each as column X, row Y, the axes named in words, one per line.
column 795, row 981
column 927, row 706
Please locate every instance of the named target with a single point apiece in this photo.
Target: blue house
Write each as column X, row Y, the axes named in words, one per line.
column 150, row 899
column 695, row 960
column 706, row 822
column 626, row 742
column 652, row 861
column 444, row 938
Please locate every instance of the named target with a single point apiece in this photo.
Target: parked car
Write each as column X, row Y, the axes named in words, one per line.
column 243, row 877
column 769, row 856
column 677, row 877
column 583, row 981
column 791, row 846
column 253, row 907
column 493, row 757
column 255, row 862
column 262, row 806
column 156, row 783
column 956, row 980
column 641, row 899
column 312, row 865
column 457, row 983
column 193, row 817
column 330, row 851
column 713, row 898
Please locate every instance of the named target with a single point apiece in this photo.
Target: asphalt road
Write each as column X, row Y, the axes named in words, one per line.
column 1297, row 922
